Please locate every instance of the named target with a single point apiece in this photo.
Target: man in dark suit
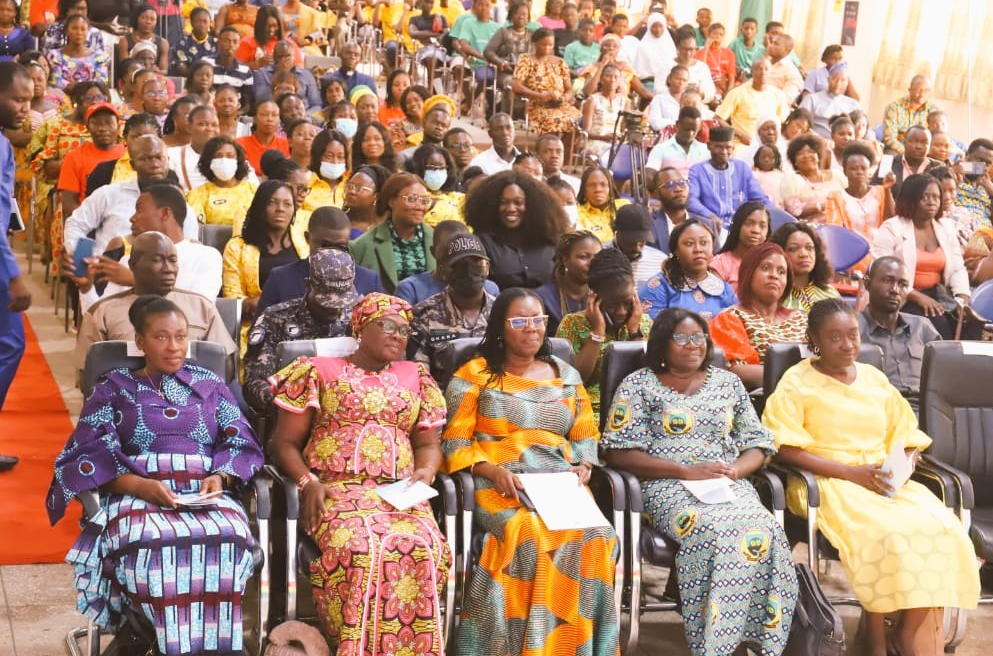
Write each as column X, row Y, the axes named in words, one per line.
column 914, row 159
column 673, row 191
column 328, row 228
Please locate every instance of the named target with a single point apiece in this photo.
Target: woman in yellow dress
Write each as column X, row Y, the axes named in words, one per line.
column 435, row 166
column 225, row 197
column 329, row 168
column 902, row 550
column 598, row 203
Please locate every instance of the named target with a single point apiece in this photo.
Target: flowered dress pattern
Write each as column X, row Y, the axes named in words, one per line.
column 735, row 570
column 541, row 75
column 66, row 70
column 533, row 591
column 185, row 569
column 378, row 581
column 745, row 336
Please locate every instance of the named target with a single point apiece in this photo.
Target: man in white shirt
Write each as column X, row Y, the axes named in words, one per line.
column 683, row 150
column 185, row 160
column 160, row 208
column 632, row 236
column 500, row 156
column 551, row 154
column 826, row 104
column 107, row 211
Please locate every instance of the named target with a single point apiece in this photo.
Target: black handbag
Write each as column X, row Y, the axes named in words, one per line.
column 816, row 628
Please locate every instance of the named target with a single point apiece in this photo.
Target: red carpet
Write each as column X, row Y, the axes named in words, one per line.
column 34, row 426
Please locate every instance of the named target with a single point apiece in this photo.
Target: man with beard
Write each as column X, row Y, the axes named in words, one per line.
column 673, row 191
column 462, row 309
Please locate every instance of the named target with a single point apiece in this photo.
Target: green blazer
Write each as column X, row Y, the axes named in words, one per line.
column 374, row 250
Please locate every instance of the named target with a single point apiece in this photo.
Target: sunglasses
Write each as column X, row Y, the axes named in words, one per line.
column 393, row 328
column 682, row 339
column 520, row 323
column 673, row 185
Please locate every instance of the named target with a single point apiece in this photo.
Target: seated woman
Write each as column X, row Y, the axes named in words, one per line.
column 144, row 437
column 345, row 427
column 265, row 135
column 366, row 103
column 929, row 246
column 610, row 46
column 797, row 122
column 329, row 170
column 332, row 92
column 200, row 81
column 663, row 111
column 372, row 146
column 750, row 226
column 805, row 189
column 520, row 222
column 861, row 207
column 544, row 79
column 176, row 129
column 613, row 313
column 809, row 264
column 600, row 111
column 766, row 134
column 744, row 331
column 391, row 111
column 767, row 167
column 507, row 45
column 412, row 102
column 686, row 280
column 680, row 418
column 653, row 58
column 228, row 193
column 514, row 408
column 76, row 61
column 361, row 191
column 239, row 14
column 569, row 287
column 256, row 50
column 902, row 550
column 434, row 165
column 598, row 203
column 144, row 24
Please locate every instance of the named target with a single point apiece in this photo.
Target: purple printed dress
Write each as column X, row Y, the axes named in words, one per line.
column 185, row 569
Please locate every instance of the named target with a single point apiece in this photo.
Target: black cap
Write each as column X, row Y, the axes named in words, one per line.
column 462, row 246
column 635, row 222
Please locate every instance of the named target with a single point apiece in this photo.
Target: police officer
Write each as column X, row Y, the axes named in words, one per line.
column 323, row 311
column 461, row 309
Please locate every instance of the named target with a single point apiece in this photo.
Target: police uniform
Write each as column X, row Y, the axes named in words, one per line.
column 437, row 321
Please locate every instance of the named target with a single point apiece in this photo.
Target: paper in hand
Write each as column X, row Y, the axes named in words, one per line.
column 898, row 467
column 192, row 499
column 561, row 502
column 711, row 490
column 401, row 495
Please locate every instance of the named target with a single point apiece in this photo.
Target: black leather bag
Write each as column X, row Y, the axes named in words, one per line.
column 816, row 628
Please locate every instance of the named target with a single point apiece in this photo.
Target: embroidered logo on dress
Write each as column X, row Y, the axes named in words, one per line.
column 772, row 614
column 620, row 416
column 677, row 422
column 754, row 546
column 684, row 522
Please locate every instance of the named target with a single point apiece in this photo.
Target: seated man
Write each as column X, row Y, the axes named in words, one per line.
column 154, row 264
column 682, row 150
column 672, row 190
column 914, row 158
column 228, row 70
column 347, row 72
column 828, row 103
column 424, row 285
column 632, row 236
column 747, row 103
column 975, row 192
column 323, row 311
column 461, row 309
column 906, row 112
column 501, row 155
column 120, row 169
column 937, row 122
column 102, row 121
column 783, row 73
column 719, row 186
column 328, row 228
column 902, row 337
column 160, row 208
column 282, row 60
column 551, row 152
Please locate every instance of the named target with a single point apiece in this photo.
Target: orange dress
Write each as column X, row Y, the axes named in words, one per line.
column 254, row 149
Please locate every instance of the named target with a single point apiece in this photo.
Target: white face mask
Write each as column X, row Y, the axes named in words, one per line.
column 435, row 178
column 332, row 170
column 347, row 126
column 224, row 168
column 571, row 213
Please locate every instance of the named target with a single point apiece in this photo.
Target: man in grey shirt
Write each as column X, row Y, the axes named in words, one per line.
column 901, row 336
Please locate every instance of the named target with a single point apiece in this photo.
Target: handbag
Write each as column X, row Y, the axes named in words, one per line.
column 816, row 629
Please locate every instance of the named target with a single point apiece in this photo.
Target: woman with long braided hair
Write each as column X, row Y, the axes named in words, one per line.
column 568, row 289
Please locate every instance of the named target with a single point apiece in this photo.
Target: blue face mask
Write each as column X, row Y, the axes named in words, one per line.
column 346, row 126
column 435, row 178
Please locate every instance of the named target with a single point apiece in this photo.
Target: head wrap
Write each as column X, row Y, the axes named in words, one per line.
column 436, row 100
column 142, row 46
column 359, row 91
column 376, row 306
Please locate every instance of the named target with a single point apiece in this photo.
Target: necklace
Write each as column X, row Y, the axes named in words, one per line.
column 156, row 388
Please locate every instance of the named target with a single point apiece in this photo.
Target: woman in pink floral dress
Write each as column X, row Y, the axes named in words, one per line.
column 346, row 427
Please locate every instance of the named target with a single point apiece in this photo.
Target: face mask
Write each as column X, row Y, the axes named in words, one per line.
column 435, row 178
column 224, row 168
column 468, row 279
column 347, row 126
column 332, row 170
column 571, row 213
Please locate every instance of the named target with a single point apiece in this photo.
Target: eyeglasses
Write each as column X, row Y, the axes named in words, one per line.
column 418, row 201
column 673, row 185
column 300, row 188
column 393, row 328
column 520, row 323
column 94, row 98
column 156, row 94
column 460, row 146
column 682, row 339
column 357, row 188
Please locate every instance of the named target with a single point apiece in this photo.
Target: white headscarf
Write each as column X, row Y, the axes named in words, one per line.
column 655, row 53
column 748, row 153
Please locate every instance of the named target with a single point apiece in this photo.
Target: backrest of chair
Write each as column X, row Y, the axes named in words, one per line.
column 337, row 347
column 230, row 311
column 845, row 248
column 956, row 409
column 779, row 218
column 453, row 354
column 982, row 300
column 781, row 356
column 106, row 356
column 215, row 236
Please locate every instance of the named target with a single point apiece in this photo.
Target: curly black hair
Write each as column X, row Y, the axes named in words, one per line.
column 822, row 273
column 210, row 151
column 806, row 140
column 419, row 162
column 543, row 222
column 661, row 334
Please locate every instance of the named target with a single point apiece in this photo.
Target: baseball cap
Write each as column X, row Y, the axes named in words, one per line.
column 332, row 278
column 463, row 246
column 635, row 222
column 100, row 107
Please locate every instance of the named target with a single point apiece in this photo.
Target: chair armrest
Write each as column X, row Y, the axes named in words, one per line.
column 446, row 494
column 259, row 486
column 632, row 485
column 809, row 480
column 289, row 487
column 465, row 489
column 90, row 500
column 962, row 482
column 608, row 483
column 777, row 491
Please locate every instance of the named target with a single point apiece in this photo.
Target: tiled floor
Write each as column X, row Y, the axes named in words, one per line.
column 37, row 602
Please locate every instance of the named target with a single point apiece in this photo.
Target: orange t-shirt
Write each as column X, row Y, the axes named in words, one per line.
column 930, row 266
column 246, row 51
column 80, row 162
column 39, row 8
column 254, row 149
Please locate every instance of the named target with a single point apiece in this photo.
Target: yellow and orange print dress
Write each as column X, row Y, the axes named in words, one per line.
column 533, row 591
column 378, row 582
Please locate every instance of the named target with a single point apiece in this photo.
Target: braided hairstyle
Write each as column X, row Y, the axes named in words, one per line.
column 610, row 270
column 563, row 250
column 821, row 311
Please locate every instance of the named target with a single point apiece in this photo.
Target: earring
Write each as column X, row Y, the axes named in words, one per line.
column 816, row 350
column 662, row 364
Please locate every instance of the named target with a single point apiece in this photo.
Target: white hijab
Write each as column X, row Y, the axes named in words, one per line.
column 655, row 54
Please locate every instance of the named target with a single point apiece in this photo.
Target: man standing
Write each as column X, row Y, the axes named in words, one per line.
column 902, row 337
column 744, row 105
column 719, row 186
column 16, row 90
column 904, row 113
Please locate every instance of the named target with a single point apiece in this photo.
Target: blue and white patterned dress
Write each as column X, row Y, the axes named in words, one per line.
column 736, row 576
column 185, row 569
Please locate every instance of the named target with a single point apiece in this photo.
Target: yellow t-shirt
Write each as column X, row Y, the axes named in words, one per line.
column 599, row 221
column 322, row 194
column 222, row 205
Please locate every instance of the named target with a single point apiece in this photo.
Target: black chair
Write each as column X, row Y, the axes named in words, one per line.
column 289, row 351
column 216, row 236
column 105, row 356
column 452, row 355
column 645, row 543
column 230, row 311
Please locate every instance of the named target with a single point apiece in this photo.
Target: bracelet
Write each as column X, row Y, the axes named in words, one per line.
column 599, row 339
column 305, row 479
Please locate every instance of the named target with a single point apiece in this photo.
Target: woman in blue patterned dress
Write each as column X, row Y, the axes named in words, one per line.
column 76, row 61
column 681, row 419
column 145, row 436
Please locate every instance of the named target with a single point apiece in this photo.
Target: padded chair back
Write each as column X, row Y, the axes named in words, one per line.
column 230, row 311
column 982, row 300
column 778, row 218
column 844, row 248
column 620, row 168
column 106, row 356
column 452, row 355
column 215, row 236
column 781, row 356
column 287, row 352
column 956, row 409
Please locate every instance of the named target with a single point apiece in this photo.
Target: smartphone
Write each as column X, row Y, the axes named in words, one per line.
column 84, row 251
column 973, row 168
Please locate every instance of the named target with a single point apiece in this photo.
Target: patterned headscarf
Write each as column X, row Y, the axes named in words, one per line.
column 376, row 306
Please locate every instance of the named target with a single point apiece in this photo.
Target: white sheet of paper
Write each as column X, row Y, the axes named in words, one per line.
column 561, row 502
column 711, row 490
column 885, row 166
column 402, row 497
column 984, row 349
column 898, row 466
column 196, row 499
column 335, row 347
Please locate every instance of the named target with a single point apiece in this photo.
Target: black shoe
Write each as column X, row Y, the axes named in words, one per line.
column 7, row 462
